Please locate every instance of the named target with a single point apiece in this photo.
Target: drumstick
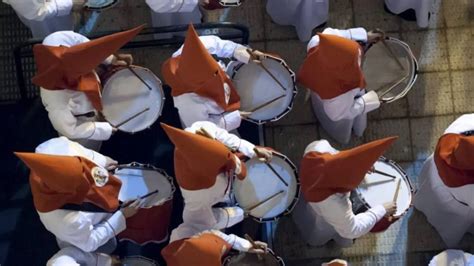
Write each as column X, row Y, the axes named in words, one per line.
column 382, row 173
column 266, row 104
column 132, row 117
column 393, row 86
column 142, row 197
column 395, row 197
column 392, row 54
column 140, row 78
column 260, row 63
column 254, row 245
column 276, row 173
column 367, row 184
column 264, row 201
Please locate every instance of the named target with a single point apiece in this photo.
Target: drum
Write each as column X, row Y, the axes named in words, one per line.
column 390, row 70
column 138, row 261
column 131, row 102
column 262, row 194
column 251, row 259
column 268, row 92
column 378, row 189
column 100, row 5
column 151, row 222
column 218, row 4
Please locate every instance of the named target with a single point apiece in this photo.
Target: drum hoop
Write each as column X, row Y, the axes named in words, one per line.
column 141, row 258
column 415, row 67
column 290, row 208
column 136, row 165
column 222, row 3
column 160, row 88
column 103, row 7
column 407, row 179
column 293, row 96
column 278, row 258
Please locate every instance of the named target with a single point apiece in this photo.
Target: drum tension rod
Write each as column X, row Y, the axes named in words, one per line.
column 140, row 78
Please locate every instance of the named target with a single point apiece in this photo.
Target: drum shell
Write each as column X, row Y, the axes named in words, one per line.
column 216, row 4
column 228, row 260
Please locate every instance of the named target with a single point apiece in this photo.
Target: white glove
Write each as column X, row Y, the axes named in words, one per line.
column 371, row 101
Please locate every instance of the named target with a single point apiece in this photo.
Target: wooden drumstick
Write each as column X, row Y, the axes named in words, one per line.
column 140, row 78
column 264, row 201
column 131, row 118
column 395, row 197
column 142, row 197
column 260, row 63
column 254, row 245
column 275, row 172
column 382, row 173
column 266, row 104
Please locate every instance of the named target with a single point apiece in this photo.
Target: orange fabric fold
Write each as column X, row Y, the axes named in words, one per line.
column 58, row 180
column 454, row 159
column 195, row 70
column 72, row 67
column 324, row 174
column 332, row 68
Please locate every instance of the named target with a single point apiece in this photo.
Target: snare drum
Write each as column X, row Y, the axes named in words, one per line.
column 124, row 96
column 151, row 222
column 100, row 5
column 137, row 261
column 218, row 4
column 261, row 183
column 384, row 74
column 256, row 87
column 379, row 189
column 251, row 259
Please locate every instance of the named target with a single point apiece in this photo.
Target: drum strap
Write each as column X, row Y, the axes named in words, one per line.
column 84, row 207
column 89, row 114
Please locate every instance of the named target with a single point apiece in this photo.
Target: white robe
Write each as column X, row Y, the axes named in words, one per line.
column 44, row 17
column 305, row 15
column 86, row 231
column 332, row 218
column 346, row 112
column 72, row 256
column 451, row 218
column 421, row 7
column 198, row 214
column 65, row 106
column 452, row 257
column 193, row 107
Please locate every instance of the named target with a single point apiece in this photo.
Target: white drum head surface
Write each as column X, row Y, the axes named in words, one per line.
column 381, row 70
column 137, row 182
column 380, row 193
column 261, row 183
column 256, row 87
column 124, row 95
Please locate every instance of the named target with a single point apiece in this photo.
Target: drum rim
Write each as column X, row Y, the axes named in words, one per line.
column 290, row 208
column 411, row 188
column 136, row 165
column 293, row 96
column 102, row 8
column 415, row 68
column 140, row 257
column 238, row 3
column 227, row 259
column 160, row 88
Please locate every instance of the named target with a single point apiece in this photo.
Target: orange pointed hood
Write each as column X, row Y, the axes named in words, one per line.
column 197, row 159
column 206, row 249
column 454, row 159
column 72, row 67
column 195, row 70
column 58, row 180
column 323, row 174
column 332, row 68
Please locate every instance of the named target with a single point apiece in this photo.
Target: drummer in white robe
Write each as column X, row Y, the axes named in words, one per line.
column 327, row 177
column 447, row 182
column 452, row 257
column 201, row 89
column 70, row 88
column 204, row 168
column 332, row 71
column 421, row 7
column 77, row 199
column 304, row 15
column 207, row 248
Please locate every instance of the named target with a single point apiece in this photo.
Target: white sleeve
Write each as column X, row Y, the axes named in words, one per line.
column 337, row 211
column 169, row 6
column 355, row 34
column 73, row 256
column 216, row 46
column 41, row 10
column 66, row 38
column 349, row 106
column 234, row 241
column 228, row 139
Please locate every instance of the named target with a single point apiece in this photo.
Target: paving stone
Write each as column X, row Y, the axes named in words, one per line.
column 458, row 13
column 154, row 57
column 370, row 14
column 292, row 51
column 138, row 15
column 301, row 113
column 114, row 19
column 436, row 20
column 353, row 142
column 340, row 14
column 268, row 131
column 425, row 133
column 431, row 95
column 401, row 150
column 461, row 54
column 463, row 93
column 274, row 31
column 430, row 48
column 395, row 109
column 249, row 14
column 292, row 141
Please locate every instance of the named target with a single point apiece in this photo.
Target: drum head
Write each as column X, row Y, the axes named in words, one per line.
column 124, row 95
column 379, row 189
column 261, row 183
column 381, row 70
column 138, row 261
column 256, row 87
column 250, row 259
column 137, row 182
column 99, row 5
